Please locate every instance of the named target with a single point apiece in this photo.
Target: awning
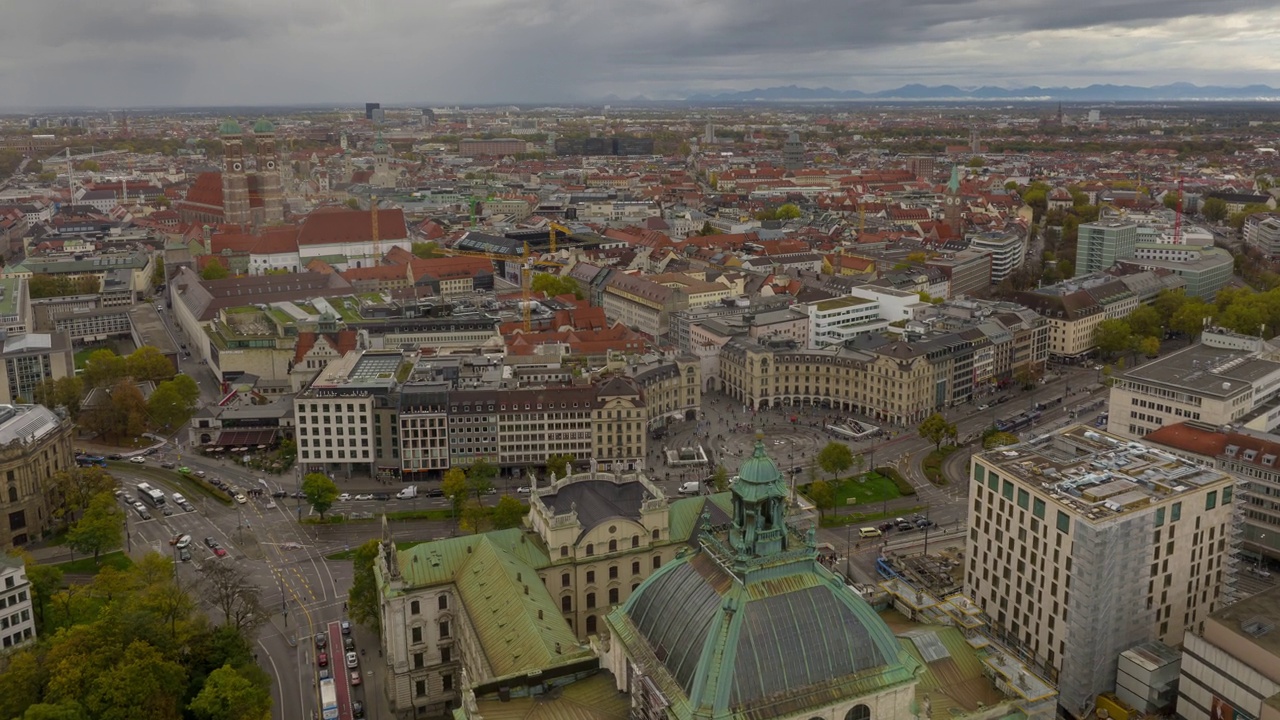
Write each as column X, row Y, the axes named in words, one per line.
column 236, row 438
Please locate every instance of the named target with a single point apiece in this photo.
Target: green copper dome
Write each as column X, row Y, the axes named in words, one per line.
column 230, row 127
column 263, row 126
column 759, row 476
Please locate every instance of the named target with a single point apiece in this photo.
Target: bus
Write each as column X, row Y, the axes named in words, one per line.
column 1017, row 421
column 150, row 495
column 91, row 460
column 328, row 700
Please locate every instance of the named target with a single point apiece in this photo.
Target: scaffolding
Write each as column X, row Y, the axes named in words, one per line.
column 1108, row 582
column 1231, row 593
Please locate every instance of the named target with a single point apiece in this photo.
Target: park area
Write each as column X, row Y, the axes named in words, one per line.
column 878, row 486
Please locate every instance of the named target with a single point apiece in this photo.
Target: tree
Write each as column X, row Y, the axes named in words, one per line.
column 1066, row 268
column 426, row 250
column 474, row 516
column 45, row 581
column 173, row 402
column 999, row 439
column 61, row 393
column 835, row 458
column 822, row 495
column 787, row 211
column 1171, row 200
column 976, row 161
column 720, row 479
column 100, row 528
column 1214, row 209
column 554, row 285
column 559, row 465
column 480, row 478
column 1145, row 322
column 141, row 684
column 121, row 413
column 1167, row 304
column 214, row 270
column 1189, row 319
column 78, row 486
column 237, row 595
column 353, row 203
column 362, row 600
column 103, row 368
column 229, row 695
column 22, row 682
column 147, row 363
column 157, row 275
column 454, row 487
column 320, row 492
column 936, row 429
column 66, row 710
column 1113, row 337
column 508, row 513
column 1149, row 346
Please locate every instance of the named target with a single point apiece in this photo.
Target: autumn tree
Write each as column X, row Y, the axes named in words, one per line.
column 474, row 516
column 1214, row 209
column 1149, row 346
column 100, row 528
column 835, row 458
column 720, row 479
column 229, row 695
column 1145, row 321
column 822, row 495
column 1113, row 337
column 122, row 412
column 320, row 492
column 148, row 363
column 454, row 487
column 508, row 513
column 936, row 429
column 362, row 600
column 1190, row 317
column 555, row 285
column 78, row 486
column 64, row 392
column 141, row 684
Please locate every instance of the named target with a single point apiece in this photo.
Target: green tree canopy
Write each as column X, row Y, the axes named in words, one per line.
column 455, row 488
column 508, row 513
column 554, row 285
column 1214, row 209
column 141, row 684
column 822, row 495
column 214, row 270
column 229, row 695
column 1145, row 321
column 148, row 363
column 835, row 458
column 320, row 492
column 100, row 528
column 1189, row 319
column 78, row 487
column 559, row 464
column 1113, row 337
column 787, row 211
column 480, row 477
column 363, row 600
column 1149, row 346
column 936, row 429
column 103, row 368
column 720, row 479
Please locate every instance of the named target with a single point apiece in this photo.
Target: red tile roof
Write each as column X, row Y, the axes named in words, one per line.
column 332, row 226
column 207, row 189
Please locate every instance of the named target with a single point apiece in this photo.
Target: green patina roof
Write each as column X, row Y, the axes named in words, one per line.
column 953, row 185
column 230, row 127
column 263, row 126
column 759, row 477
column 781, row 641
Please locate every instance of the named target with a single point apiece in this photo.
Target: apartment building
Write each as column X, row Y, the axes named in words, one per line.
column 969, row 272
column 1100, row 244
column 1204, row 383
column 1082, row 545
column 17, row 619
column 1074, row 310
column 1250, row 457
column 15, row 307
column 641, row 304
column 537, row 423
column 1262, row 233
column 1230, row 669
column 35, row 444
column 1008, row 250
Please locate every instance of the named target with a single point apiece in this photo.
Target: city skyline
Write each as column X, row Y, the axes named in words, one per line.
column 184, row 53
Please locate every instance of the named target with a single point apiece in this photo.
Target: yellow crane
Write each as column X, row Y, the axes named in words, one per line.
column 557, row 227
column 526, row 274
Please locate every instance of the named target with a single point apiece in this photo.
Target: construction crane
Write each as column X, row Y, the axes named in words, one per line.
column 377, row 238
column 557, row 227
column 526, row 274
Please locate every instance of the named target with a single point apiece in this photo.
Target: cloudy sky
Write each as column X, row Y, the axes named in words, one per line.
column 127, row 53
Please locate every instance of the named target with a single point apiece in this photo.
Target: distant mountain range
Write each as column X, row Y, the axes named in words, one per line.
column 1093, row 93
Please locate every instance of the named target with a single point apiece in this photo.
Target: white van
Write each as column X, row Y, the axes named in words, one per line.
column 869, row 532
column 693, row 487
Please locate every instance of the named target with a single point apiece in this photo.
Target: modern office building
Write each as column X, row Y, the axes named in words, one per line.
column 334, row 416
column 968, row 272
column 28, row 360
column 1008, row 250
column 1100, row 244
column 1083, row 544
column 835, row 321
column 1205, row 269
column 1231, row 667
column 1208, row 384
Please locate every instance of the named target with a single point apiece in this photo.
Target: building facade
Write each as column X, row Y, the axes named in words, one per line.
column 1231, row 667
column 17, row 619
column 35, row 444
column 1100, row 244
column 1082, row 545
column 29, row 360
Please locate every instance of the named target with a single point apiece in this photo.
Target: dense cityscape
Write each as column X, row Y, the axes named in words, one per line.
column 855, row 409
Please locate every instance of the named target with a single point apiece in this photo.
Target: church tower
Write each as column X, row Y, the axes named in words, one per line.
column 759, row 507
column 951, row 203
column 235, row 184
column 264, row 134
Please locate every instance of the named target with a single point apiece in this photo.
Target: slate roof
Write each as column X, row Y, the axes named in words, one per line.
column 596, row 501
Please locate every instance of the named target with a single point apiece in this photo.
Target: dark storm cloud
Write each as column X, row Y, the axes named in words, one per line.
column 261, row 51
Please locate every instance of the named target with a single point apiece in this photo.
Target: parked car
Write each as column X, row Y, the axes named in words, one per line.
column 382, row 497
column 434, row 493
column 349, row 643
column 322, row 659
column 180, row 541
column 355, row 677
column 210, row 543
column 353, row 660
column 219, row 551
column 344, row 497
column 357, row 710
column 325, row 674
column 346, row 627
column 184, row 555
column 167, row 510
column 363, row 496
column 115, row 456
column 240, row 498
column 524, row 490
column 321, row 640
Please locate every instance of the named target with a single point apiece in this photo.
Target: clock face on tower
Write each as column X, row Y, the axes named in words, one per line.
column 235, row 166
column 271, row 165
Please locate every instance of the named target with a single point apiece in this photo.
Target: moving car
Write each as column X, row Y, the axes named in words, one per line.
column 357, row 710
column 138, row 459
column 322, row 659
column 693, row 487
column 240, row 498
column 344, row 497
column 279, row 494
column 184, row 555
column 166, row 510
column 180, row 541
column 363, row 496
column 168, row 465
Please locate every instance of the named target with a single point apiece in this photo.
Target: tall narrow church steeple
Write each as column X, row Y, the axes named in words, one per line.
column 235, row 183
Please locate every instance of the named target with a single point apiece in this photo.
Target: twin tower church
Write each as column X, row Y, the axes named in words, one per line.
column 237, row 196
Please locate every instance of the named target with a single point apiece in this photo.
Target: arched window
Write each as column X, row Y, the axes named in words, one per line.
column 564, row 551
column 635, row 541
column 591, row 600
column 858, row 712
column 591, row 549
column 566, row 603
column 13, row 494
column 591, row 624
column 655, row 533
column 613, row 546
